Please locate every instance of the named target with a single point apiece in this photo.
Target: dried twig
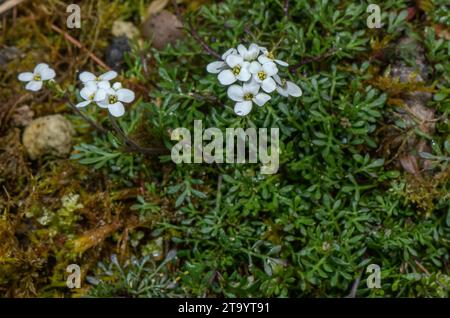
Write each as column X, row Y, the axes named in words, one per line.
column 9, row 5
column 193, row 33
column 132, row 144
column 286, row 8
column 75, row 42
column 354, row 289
column 311, row 59
column 7, row 110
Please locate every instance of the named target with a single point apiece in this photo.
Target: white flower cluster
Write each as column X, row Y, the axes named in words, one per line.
column 256, row 68
column 98, row 90
column 35, row 80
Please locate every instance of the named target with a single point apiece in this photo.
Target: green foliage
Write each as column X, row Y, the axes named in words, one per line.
column 335, row 205
column 136, row 278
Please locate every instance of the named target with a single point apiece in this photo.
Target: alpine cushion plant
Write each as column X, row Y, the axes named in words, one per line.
column 256, row 68
column 337, row 204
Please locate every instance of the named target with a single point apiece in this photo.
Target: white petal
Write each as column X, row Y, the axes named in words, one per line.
column 264, row 50
column 125, row 95
column 293, row 89
column 256, row 79
column 103, row 104
column 234, row 60
column 40, row 67
column 108, row 76
column 244, row 75
column 282, row 63
column 83, row 104
column 104, row 85
column 87, row 92
column 117, row 86
column 269, row 85
column 263, row 59
column 215, row 67
column 226, row 77
column 242, row 50
column 91, row 85
column 87, row 77
column 270, row 68
column 230, row 51
column 34, row 86
column 100, row 95
column 277, row 79
column 243, row 108
column 109, row 91
column 255, row 67
column 117, row 109
column 252, row 87
column 253, row 52
column 236, row 93
column 261, row 98
column 282, row 91
column 25, row 77
column 47, row 74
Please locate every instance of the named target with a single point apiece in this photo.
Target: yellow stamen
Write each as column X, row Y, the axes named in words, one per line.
column 248, row 96
column 262, row 75
column 113, row 99
column 236, row 70
column 37, row 77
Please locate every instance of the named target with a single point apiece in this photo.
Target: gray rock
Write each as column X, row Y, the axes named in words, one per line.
column 49, row 135
column 116, row 51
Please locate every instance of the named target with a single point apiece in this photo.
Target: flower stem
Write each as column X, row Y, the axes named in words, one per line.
column 132, row 144
column 95, row 125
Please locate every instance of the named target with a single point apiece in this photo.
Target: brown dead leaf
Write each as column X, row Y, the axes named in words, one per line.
column 409, row 163
column 442, row 31
column 156, row 6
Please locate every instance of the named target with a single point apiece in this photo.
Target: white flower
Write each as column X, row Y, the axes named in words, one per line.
column 239, row 70
column 262, row 74
column 249, row 54
column 115, row 96
column 267, row 57
column 87, row 77
column 287, row 88
column 92, row 93
column 229, row 52
column 245, row 96
column 42, row 72
column 218, row 66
